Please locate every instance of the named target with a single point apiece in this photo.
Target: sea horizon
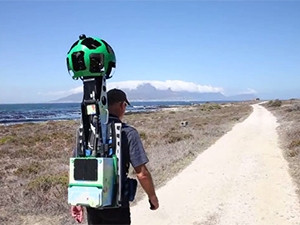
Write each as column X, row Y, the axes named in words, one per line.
column 16, row 113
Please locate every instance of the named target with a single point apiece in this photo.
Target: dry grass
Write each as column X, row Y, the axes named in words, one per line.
column 288, row 115
column 34, row 157
column 33, row 165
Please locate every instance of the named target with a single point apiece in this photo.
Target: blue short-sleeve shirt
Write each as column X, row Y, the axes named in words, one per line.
column 137, row 154
column 131, row 144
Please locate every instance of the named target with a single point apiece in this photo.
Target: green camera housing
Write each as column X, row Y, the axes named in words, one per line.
column 92, row 181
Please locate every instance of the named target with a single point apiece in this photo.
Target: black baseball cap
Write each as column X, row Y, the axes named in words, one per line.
column 116, row 95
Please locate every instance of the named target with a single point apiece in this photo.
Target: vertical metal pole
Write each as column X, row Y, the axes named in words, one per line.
column 117, row 128
column 103, row 111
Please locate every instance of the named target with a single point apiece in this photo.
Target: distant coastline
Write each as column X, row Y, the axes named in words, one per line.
column 40, row 112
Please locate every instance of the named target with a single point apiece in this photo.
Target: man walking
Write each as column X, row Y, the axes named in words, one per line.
column 133, row 152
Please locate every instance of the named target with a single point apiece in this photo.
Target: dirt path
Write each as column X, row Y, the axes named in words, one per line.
column 241, row 179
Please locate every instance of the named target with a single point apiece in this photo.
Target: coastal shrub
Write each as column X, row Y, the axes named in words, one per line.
column 143, row 135
column 172, row 137
column 209, row 107
column 10, row 166
column 235, row 118
column 294, row 144
column 44, row 183
column 292, row 153
column 26, row 139
column 47, row 193
column 29, row 169
column 275, row 103
column 5, row 139
column 293, row 108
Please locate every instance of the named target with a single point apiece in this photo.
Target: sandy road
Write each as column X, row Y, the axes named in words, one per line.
column 241, row 179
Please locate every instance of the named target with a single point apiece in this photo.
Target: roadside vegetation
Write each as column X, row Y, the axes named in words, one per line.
column 34, row 157
column 288, row 116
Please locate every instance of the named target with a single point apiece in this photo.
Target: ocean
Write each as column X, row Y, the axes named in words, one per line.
column 31, row 113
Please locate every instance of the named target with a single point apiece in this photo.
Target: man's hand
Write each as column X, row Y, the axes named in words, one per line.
column 77, row 213
column 153, row 202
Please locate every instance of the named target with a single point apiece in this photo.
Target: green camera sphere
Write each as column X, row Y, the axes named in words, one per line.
column 90, row 57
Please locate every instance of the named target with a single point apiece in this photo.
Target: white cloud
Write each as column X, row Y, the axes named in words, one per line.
column 76, row 90
column 249, row 91
column 174, row 85
column 63, row 93
column 130, row 84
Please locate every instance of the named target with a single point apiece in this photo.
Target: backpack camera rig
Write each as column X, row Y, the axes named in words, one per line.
column 95, row 170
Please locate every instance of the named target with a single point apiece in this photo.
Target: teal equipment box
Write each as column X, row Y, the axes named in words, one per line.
column 92, row 182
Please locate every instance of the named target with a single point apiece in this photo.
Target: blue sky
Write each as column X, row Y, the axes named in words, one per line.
column 229, row 46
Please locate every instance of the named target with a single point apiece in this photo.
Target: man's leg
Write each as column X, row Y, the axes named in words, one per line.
column 108, row 216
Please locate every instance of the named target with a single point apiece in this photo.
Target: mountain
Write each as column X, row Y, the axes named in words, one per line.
column 70, row 98
column 146, row 92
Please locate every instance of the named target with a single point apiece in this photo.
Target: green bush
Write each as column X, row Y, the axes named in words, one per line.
column 29, row 169
column 44, row 183
column 210, row 107
column 5, row 139
column 172, row 137
column 294, row 108
column 143, row 135
column 275, row 103
column 294, row 144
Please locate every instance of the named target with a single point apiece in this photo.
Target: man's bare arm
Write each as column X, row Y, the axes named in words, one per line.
column 145, row 179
